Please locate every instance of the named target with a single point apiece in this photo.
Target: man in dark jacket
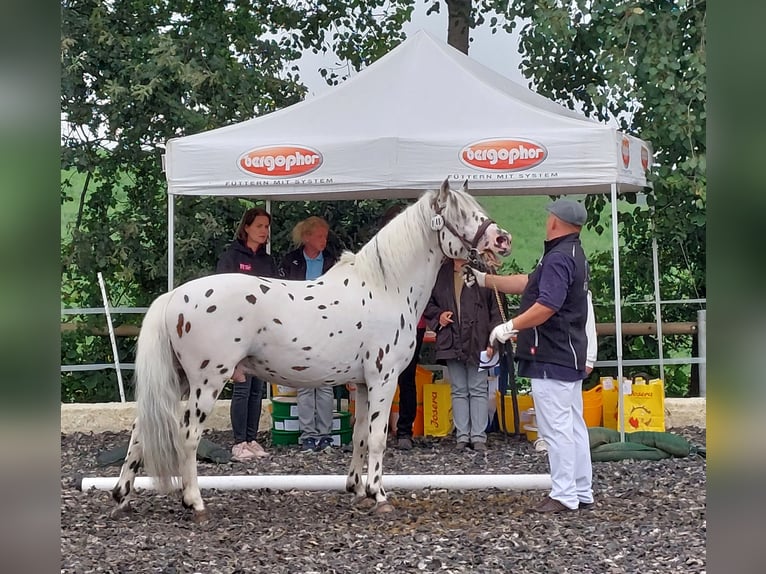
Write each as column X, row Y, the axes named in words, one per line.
column 462, row 318
column 551, row 350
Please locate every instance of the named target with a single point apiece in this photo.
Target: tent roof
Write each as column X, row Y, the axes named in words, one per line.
column 423, row 112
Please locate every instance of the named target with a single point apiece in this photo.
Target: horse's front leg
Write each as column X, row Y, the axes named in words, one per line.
column 354, row 482
column 381, row 394
column 199, row 406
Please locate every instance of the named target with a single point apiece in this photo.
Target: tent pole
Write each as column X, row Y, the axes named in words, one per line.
column 617, row 314
column 171, row 243
column 657, row 301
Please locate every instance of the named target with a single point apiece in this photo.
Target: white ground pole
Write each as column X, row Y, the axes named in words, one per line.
column 338, row 482
column 617, row 314
column 111, row 336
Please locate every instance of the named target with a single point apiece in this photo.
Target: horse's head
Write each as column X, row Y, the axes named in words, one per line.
column 465, row 230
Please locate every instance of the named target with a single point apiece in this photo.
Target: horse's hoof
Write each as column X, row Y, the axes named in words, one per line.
column 120, row 512
column 200, row 516
column 384, row 508
column 363, row 502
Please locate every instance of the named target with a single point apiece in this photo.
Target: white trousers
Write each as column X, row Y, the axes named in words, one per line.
column 558, row 407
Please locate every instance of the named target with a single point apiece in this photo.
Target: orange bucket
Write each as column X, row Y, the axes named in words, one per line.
column 592, row 406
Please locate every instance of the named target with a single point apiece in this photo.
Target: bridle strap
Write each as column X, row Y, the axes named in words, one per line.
column 470, row 246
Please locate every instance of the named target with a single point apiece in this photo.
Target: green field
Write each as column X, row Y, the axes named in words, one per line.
column 524, row 216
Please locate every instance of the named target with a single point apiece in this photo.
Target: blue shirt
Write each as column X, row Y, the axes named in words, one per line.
column 313, row 266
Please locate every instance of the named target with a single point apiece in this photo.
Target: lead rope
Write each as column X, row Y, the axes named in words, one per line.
column 507, row 353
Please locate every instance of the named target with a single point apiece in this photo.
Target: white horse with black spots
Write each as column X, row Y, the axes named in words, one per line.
column 355, row 324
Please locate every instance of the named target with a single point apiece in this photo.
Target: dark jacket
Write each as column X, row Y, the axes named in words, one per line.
column 293, row 265
column 239, row 258
column 468, row 335
column 561, row 340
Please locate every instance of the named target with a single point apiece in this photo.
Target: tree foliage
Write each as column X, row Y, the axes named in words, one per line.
column 135, row 73
column 641, row 65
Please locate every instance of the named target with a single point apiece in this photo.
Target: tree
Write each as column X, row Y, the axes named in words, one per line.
column 640, row 64
column 135, row 73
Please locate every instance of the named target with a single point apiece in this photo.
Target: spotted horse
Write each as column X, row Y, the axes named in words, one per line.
column 355, row 324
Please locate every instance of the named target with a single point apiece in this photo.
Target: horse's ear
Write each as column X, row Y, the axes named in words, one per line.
column 465, row 186
column 443, row 191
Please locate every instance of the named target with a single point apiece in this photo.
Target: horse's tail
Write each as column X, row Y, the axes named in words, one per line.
column 158, row 396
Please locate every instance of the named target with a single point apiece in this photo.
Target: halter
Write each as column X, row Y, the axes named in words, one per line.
column 438, row 223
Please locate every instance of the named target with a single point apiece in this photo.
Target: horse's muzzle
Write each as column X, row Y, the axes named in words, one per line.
column 503, row 243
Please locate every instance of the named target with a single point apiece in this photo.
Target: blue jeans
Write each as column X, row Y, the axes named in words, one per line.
column 245, row 412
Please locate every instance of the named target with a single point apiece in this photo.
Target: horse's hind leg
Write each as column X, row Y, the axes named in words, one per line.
column 202, row 397
column 123, row 490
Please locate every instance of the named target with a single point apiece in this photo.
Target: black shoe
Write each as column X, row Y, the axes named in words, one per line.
column 586, row 506
column 324, row 443
column 309, row 444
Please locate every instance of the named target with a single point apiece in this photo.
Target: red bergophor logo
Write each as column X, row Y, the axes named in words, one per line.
column 503, row 154
column 625, row 152
column 280, row 161
column 644, row 158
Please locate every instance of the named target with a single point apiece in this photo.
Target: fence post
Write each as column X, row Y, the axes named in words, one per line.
column 702, row 344
column 111, row 336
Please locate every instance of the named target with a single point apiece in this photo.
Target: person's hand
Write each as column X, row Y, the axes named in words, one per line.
column 588, row 370
column 445, row 318
column 473, row 276
column 490, row 351
column 502, row 333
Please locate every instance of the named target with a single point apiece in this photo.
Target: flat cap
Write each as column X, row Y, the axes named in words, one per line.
column 569, row 211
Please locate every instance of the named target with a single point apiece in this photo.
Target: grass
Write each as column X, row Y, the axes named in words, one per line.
column 523, row 216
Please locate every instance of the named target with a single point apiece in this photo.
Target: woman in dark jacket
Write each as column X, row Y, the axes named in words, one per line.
column 247, row 254
column 463, row 318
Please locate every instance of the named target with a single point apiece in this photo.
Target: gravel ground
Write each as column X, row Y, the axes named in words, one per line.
column 650, row 516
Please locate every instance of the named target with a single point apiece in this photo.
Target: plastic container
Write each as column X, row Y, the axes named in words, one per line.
column 291, row 424
column 593, row 406
column 531, row 432
column 342, row 436
column 524, row 401
column 437, row 410
column 284, row 437
column 528, row 422
column 284, row 406
column 283, row 391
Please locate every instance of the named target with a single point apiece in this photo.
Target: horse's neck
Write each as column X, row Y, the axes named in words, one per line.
column 404, row 254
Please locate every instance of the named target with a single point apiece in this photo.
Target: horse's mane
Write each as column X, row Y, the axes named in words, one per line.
column 379, row 261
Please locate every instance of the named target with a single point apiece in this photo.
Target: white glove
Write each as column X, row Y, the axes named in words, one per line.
column 471, row 276
column 502, row 332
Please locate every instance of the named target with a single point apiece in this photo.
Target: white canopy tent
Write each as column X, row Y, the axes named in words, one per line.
column 423, row 112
